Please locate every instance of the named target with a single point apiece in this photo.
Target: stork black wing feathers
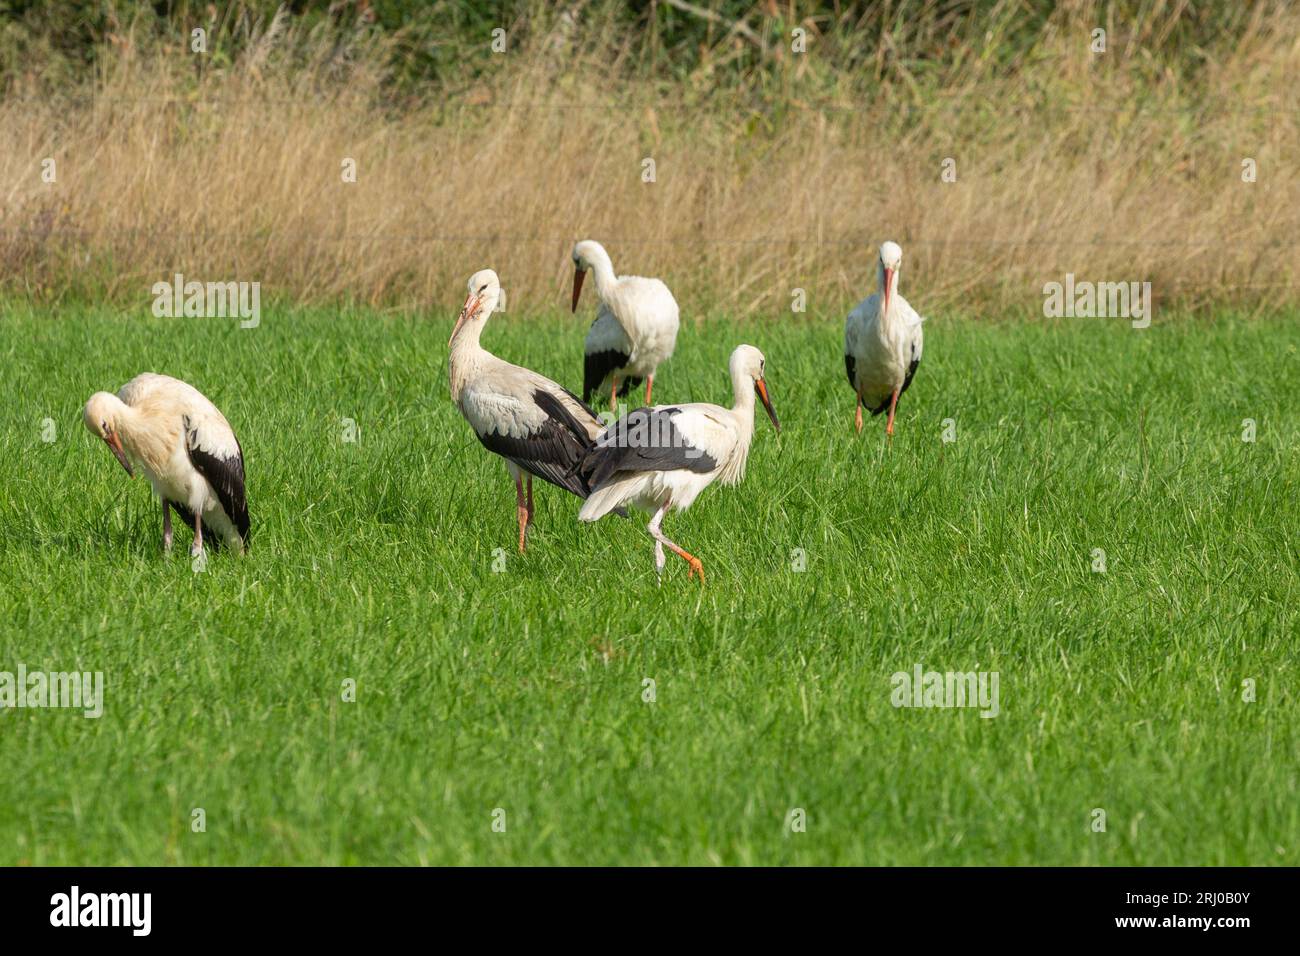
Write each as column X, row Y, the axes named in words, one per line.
column 551, row 452
column 565, row 412
column 225, row 475
column 643, row 440
column 597, row 365
column 911, row 370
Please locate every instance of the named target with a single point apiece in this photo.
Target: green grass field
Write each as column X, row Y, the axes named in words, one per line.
column 523, row 690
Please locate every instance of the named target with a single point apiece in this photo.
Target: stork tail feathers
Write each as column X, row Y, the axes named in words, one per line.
column 609, row 497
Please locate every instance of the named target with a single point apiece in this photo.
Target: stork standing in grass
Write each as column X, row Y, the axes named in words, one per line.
column 661, row 458
column 635, row 328
column 187, row 450
column 539, row 428
column 882, row 342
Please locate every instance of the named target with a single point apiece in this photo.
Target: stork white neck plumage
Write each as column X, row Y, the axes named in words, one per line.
column 742, row 390
column 747, row 367
column 484, row 293
column 591, row 255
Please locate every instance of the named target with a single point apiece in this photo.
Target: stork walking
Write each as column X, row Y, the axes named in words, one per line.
column 540, row 428
column 635, row 328
column 882, row 342
column 185, row 447
column 662, row 457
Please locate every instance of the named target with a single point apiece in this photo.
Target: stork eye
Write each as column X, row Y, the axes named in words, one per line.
column 482, row 289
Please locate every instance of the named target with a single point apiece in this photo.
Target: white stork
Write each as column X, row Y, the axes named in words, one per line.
column 635, row 328
column 185, row 447
column 882, row 342
column 662, row 457
column 538, row 427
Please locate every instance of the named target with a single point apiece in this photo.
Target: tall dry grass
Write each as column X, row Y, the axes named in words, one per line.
column 1113, row 167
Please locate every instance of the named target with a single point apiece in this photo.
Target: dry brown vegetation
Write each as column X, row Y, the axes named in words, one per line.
column 1113, row 167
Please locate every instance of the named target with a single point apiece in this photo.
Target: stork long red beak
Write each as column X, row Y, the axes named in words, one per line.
column 466, row 312
column 578, row 276
column 115, row 445
column 760, row 386
column 889, row 288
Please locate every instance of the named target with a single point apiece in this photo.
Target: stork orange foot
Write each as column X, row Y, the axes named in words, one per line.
column 697, row 567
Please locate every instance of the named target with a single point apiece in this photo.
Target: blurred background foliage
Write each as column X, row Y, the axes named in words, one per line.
column 701, row 43
column 776, row 169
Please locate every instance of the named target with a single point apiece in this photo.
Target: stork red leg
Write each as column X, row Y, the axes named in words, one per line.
column 167, row 525
column 521, row 509
column 649, row 387
column 697, row 566
column 613, row 393
column 530, row 501
column 893, row 403
column 857, row 419
column 197, row 548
